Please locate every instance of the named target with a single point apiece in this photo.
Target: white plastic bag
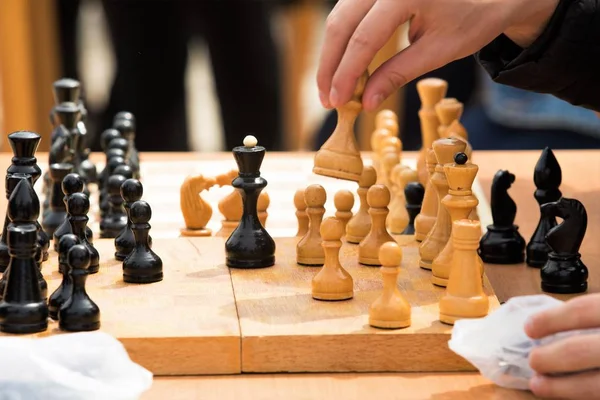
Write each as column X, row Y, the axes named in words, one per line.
column 497, row 344
column 77, row 366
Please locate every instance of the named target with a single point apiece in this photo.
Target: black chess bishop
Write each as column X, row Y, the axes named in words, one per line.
column 502, row 243
column 23, row 308
column 547, row 177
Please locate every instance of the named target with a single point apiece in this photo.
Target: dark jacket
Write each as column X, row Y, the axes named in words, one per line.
column 563, row 61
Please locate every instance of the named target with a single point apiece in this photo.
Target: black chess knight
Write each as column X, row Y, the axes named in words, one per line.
column 564, row 272
column 250, row 245
column 547, row 177
column 502, row 243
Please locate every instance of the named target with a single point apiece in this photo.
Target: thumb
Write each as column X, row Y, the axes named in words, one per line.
column 421, row 57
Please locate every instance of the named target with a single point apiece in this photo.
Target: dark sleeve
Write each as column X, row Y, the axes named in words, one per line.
column 563, row 61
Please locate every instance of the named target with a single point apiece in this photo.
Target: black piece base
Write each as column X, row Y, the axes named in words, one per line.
column 24, row 328
column 80, row 327
column 564, row 274
column 502, row 246
column 250, row 264
column 143, row 278
column 53, row 313
column 564, row 289
column 120, row 256
column 537, row 254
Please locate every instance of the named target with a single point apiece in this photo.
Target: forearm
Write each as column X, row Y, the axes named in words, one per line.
column 557, row 54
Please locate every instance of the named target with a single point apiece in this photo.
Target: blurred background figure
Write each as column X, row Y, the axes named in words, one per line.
column 200, row 75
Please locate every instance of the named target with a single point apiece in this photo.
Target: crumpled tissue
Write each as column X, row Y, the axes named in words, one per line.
column 76, row 366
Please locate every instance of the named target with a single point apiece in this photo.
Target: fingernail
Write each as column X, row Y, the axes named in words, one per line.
column 376, row 101
column 529, row 324
column 535, row 383
column 324, row 99
column 334, row 97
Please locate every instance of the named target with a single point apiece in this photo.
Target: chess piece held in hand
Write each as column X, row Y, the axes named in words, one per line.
column 564, row 272
column 339, row 156
column 390, row 310
column 502, row 243
column 332, row 282
column 196, row 211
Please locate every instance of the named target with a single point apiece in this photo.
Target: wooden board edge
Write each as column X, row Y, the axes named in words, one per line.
column 351, row 353
column 193, row 356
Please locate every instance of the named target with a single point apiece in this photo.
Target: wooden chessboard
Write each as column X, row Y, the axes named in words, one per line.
column 204, row 318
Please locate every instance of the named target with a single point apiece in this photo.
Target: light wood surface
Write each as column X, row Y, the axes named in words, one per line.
column 184, row 325
column 350, row 386
column 581, row 180
column 284, row 329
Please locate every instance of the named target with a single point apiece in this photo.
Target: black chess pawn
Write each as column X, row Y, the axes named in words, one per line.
column 124, row 170
column 112, row 164
column 249, row 245
column 65, row 289
column 124, row 115
column 115, row 219
column 564, row 272
column 78, row 205
column 547, row 177
column 413, row 193
column 142, row 265
column 79, row 313
column 502, row 243
column 58, row 210
column 119, row 143
column 131, row 191
column 23, row 309
column 105, row 139
column 72, row 183
column 127, row 129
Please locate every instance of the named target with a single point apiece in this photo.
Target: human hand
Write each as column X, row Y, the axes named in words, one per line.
column 441, row 31
column 569, row 355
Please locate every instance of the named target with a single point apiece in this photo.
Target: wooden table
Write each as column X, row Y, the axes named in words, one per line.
column 581, row 180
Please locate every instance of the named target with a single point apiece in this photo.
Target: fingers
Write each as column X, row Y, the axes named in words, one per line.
column 584, row 386
column 573, row 354
column 578, row 313
column 341, row 24
column 421, row 57
column 370, row 36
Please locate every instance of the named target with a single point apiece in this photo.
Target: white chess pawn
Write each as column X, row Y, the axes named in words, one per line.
column 390, row 310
